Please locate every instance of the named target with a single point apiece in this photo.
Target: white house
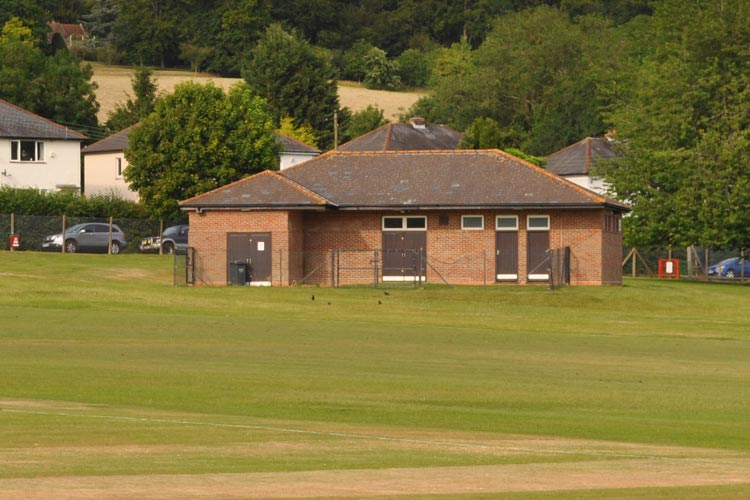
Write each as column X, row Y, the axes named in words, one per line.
column 104, row 162
column 36, row 152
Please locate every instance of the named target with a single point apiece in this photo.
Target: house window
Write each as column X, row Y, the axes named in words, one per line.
column 472, row 222
column 506, row 223
column 408, row 223
column 537, row 223
column 118, row 166
column 28, row 151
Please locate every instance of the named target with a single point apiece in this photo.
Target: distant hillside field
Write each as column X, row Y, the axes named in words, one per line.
column 114, row 88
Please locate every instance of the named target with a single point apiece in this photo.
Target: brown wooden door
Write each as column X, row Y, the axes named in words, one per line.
column 404, row 255
column 537, row 256
column 506, row 255
column 255, row 250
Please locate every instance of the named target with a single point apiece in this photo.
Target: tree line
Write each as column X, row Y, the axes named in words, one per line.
column 671, row 77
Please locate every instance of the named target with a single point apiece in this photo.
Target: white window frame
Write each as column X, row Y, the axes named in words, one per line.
column 528, row 223
column 403, row 222
column 506, row 217
column 38, row 151
column 481, row 225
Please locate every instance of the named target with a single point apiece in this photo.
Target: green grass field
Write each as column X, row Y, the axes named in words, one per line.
column 107, row 371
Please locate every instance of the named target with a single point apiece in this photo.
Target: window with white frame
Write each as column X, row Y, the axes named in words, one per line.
column 537, row 223
column 472, row 222
column 506, row 223
column 26, row 151
column 405, row 223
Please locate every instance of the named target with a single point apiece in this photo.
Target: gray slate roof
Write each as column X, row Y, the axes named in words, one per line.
column 17, row 123
column 291, row 145
column 578, row 158
column 416, row 179
column 114, row 143
column 406, row 137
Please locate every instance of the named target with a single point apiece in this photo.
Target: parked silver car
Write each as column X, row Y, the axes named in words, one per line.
column 86, row 237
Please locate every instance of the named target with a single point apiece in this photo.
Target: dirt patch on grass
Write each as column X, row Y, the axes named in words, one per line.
column 388, row 482
column 538, row 463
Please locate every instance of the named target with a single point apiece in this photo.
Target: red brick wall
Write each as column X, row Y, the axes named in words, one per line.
column 302, row 244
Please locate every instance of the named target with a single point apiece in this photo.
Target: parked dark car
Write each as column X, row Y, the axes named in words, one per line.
column 86, row 237
column 729, row 268
column 173, row 238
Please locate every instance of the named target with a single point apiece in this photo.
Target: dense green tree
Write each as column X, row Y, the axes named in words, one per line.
column 240, row 25
column 304, row 133
column 382, row 73
column 296, row 80
column 353, row 65
column 100, row 19
column 29, row 12
column 64, row 11
column 415, row 67
column 137, row 107
column 685, row 125
column 66, row 92
column 197, row 139
column 540, row 85
column 150, row 31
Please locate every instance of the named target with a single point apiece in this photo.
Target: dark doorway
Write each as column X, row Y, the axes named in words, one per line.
column 537, row 260
column 254, row 249
column 404, row 255
column 506, row 255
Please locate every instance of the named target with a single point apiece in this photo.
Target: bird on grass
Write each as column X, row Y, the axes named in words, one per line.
column 386, row 293
column 312, row 298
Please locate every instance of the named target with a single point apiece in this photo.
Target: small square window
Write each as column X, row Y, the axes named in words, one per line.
column 537, row 223
column 506, row 223
column 474, row 222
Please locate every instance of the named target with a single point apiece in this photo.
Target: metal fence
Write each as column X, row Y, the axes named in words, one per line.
column 32, row 229
column 691, row 263
column 354, row 267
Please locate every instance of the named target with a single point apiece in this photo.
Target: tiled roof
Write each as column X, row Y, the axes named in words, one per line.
column 291, row 145
column 578, row 158
column 17, row 123
column 413, row 179
column 405, row 137
column 66, row 30
column 267, row 189
column 114, row 143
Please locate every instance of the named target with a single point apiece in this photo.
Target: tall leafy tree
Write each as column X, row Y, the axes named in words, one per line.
column 150, row 31
column 197, row 139
column 297, row 81
column 137, row 107
column 685, row 126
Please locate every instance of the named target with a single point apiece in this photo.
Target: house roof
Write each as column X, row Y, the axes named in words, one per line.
column 578, row 158
column 412, row 136
column 267, row 189
column 17, row 123
column 66, row 30
column 411, row 179
column 114, row 143
column 291, row 145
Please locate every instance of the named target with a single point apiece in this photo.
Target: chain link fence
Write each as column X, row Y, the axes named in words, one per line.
column 31, row 230
column 691, row 263
column 352, row 267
